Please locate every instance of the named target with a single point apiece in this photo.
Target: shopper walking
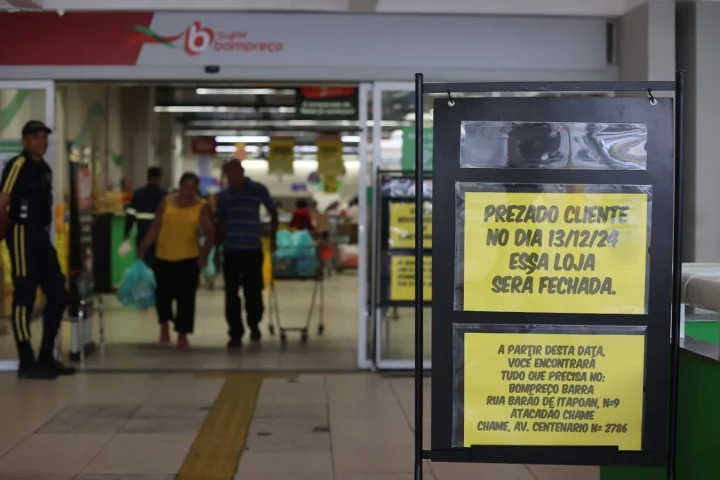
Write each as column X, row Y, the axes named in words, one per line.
column 145, row 202
column 25, row 216
column 176, row 233
column 239, row 233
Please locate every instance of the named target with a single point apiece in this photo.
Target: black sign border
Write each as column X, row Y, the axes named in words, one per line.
column 669, row 207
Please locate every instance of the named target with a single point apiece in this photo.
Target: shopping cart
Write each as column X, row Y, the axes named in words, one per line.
column 305, row 265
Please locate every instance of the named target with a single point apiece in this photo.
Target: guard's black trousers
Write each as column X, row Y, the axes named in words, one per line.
column 243, row 268
column 35, row 264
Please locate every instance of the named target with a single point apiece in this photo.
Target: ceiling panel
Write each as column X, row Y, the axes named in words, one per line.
column 604, row 8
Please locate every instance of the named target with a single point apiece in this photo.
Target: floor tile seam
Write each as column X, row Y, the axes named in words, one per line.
column 111, row 436
column 535, row 477
column 411, row 424
column 330, row 427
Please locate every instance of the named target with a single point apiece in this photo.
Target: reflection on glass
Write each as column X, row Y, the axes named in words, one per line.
column 590, row 146
column 403, row 187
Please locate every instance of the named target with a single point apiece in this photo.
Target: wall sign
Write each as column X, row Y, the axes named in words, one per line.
column 330, row 156
column 551, row 278
column 281, row 155
column 300, row 41
column 326, row 103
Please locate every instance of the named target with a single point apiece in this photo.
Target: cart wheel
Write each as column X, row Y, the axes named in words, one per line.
column 304, row 337
column 271, row 329
column 321, row 329
column 283, row 339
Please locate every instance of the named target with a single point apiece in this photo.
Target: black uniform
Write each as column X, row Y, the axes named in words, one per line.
column 33, row 257
column 144, row 204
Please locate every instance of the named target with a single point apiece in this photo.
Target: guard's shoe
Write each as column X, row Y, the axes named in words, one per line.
column 35, row 371
column 235, row 344
column 58, row 368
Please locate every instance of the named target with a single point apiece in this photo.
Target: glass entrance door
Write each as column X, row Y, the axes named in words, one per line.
column 21, row 101
column 393, row 147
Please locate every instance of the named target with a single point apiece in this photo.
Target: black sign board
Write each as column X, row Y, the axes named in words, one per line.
column 396, row 263
column 552, row 278
column 326, row 103
column 81, row 238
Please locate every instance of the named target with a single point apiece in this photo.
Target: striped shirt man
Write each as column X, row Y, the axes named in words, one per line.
column 239, row 210
column 240, row 233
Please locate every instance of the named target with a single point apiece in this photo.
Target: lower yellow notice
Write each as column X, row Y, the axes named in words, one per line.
column 553, row 390
column 402, row 278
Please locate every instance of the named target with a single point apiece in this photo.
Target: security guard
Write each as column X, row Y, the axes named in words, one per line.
column 144, row 204
column 25, row 218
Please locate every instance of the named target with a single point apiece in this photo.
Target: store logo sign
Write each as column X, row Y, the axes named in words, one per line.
column 197, row 38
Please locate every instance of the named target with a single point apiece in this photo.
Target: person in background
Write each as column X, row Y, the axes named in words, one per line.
column 179, row 256
column 302, row 218
column 125, row 192
column 333, row 208
column 26, row 211
column 240, row 235
column 145, row 202
column 353, row 210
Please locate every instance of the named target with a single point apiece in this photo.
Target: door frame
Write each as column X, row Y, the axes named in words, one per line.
column 364, row 315
column 377, row 316
column 48, row 86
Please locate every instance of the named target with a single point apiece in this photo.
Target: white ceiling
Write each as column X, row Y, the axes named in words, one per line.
column 603, row 8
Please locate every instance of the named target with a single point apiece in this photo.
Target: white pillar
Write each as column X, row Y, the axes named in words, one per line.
column 137, row 132
column 646, row 42
column 164, row 141
column 698, row 39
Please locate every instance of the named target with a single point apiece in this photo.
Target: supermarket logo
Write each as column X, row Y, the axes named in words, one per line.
column 196, row 39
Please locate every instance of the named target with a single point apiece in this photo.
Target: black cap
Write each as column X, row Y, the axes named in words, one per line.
column 34, row 126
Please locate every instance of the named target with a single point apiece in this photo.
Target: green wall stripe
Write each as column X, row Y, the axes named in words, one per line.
column 8, row 114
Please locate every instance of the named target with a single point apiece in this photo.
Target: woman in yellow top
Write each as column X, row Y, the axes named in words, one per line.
column 180, row 257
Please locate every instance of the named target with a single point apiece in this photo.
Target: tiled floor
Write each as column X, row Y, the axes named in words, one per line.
column 141, row 427
column 131, row 336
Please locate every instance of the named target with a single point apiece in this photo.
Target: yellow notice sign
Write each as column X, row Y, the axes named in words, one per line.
column 402, row 225
column 281, row 155
column 402, row 278
column 553, row 390
column 330, row 156
column 555, row 252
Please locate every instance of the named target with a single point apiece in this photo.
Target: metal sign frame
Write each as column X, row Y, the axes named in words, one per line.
column 671, row 192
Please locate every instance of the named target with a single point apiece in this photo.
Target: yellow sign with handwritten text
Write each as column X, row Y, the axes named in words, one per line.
column 402, row 225
column 533, row 389
column 402, row 278
column 555, row 252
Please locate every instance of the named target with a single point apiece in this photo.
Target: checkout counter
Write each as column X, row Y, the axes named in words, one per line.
column 699, row 389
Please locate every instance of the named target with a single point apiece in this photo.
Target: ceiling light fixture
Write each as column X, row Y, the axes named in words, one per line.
column 219, row 109
column 328, row 124
column 244, row 91
column 242, row 139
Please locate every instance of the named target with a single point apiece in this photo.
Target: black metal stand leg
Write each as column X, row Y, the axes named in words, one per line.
column 677, row 272
column 419, row 290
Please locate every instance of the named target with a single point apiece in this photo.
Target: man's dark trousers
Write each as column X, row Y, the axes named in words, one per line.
column 243, row 268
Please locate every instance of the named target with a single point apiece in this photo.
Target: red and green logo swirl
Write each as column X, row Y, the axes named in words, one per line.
column 145, row 35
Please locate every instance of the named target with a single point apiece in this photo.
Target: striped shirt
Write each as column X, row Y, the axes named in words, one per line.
column 239, row 209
